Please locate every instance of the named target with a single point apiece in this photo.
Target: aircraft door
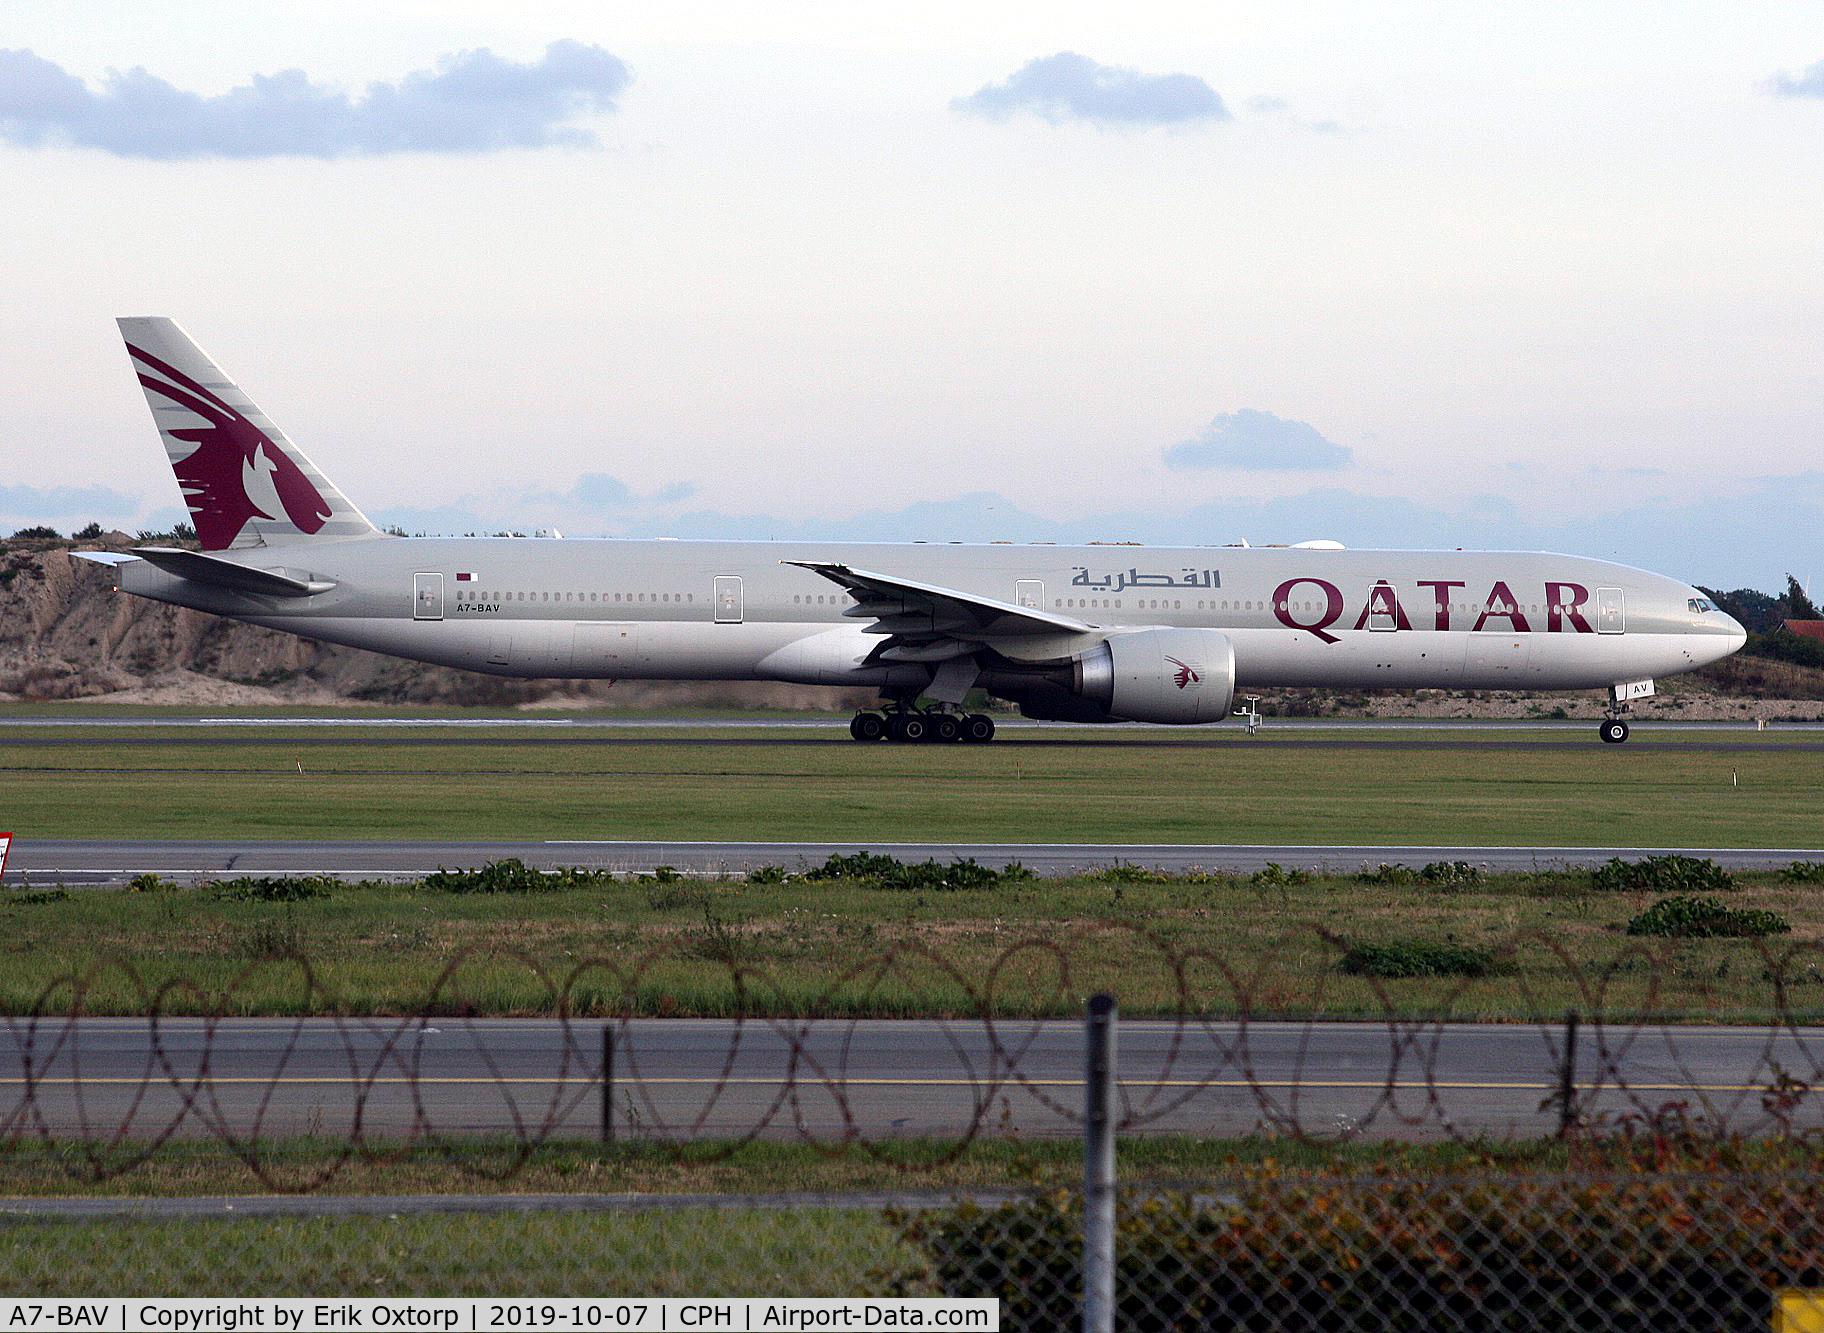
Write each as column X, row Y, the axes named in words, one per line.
column 728, row 599
column 427, row 601
column 1611, row 611
column 1029, row 593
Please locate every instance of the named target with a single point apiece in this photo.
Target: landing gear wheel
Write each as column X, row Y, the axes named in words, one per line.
column 909, row 727
column 1614, row 731
column 945, row 728
column 978, row 728
column 868, row 727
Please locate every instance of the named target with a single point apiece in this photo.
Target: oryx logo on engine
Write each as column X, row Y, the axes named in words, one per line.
column 1186, row 675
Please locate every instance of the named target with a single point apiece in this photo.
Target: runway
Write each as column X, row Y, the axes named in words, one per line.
column 838, row 1081
column 101, row 863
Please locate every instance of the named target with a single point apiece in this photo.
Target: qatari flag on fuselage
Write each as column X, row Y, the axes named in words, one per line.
column 465, row 578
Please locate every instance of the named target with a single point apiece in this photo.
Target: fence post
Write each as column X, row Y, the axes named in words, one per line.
column 1099, row 1168
column 607, row 1083
column 1567, row 1077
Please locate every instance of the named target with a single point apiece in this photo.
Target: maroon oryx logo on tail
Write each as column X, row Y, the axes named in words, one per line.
column 236, row 473
column 1185, row 675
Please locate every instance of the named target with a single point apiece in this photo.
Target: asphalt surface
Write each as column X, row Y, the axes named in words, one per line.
column 833, row 1081
column 90, row 863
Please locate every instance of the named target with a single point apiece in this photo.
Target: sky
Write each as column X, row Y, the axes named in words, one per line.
column 1527, row 275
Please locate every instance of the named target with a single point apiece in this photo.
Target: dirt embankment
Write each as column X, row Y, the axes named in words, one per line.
column 66, row 634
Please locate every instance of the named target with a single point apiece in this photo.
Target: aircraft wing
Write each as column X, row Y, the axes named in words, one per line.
column 924, row 621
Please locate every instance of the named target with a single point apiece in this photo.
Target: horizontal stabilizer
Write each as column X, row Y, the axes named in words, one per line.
column 201, row 567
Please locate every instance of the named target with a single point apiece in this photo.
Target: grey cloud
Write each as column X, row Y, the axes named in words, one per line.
column 1068, row 86
column 473, row 102
column 1259, row 441
column 1720, row 541
column 1278, row 106
column 37, row 504
column 1808, row 84
column 597, row 505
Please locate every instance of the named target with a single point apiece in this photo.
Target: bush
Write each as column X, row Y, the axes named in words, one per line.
column 1274, row 875
column 884, row 872
column 1662, row 874
column 274, row 888
column 1126, row 872
column 1782, row 645
column 1354, row 1256
column 1804, row 872
column 1396, row 960
column 514, row 876
column 1450, row 874
column 1386, row 874
column 1699, row 918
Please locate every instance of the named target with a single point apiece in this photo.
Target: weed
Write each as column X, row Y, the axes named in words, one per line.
column 1274, row 875
column 274, row 888
column 667, row 895
column 885, row 872
column 272, row 938
column 35, row 897
column 1450, row 874
column 1395, row 959
column 1126, row 872
column 1804, row 872
column 1704, row 918
column 1662, row 874
column 717, row 942
column 512, row 875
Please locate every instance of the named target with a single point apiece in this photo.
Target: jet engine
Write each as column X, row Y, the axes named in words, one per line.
column 1152, row 675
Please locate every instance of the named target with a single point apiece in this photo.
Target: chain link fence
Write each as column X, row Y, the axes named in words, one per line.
column 1683, row 1186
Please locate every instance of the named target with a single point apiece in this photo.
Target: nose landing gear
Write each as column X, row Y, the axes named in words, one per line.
column 1614, row 728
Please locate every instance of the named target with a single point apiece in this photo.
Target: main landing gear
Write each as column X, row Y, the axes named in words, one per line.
column 922, row 724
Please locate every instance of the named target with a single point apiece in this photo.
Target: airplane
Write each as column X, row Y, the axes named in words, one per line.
column 1097, row 633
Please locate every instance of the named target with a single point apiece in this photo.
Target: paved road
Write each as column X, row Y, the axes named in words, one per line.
column 100, row 862
column 682, row 1080
column 602, row 722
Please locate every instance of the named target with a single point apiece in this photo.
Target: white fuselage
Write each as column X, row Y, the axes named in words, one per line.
column 692, row 610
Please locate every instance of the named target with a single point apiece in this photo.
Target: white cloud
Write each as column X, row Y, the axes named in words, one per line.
column 472, row 102
column 1808, row 84
column 1068, row 86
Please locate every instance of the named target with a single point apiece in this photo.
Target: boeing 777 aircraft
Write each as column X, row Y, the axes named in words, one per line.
column 1081, row 634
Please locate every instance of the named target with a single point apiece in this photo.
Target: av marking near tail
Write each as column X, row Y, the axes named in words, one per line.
column 1084, row 634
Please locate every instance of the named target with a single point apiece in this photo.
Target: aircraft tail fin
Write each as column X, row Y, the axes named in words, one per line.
column 245, row 483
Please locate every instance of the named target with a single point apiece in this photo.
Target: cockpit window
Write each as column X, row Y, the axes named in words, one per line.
column 1701, row 604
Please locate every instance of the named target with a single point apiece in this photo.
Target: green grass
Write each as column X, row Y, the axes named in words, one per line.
column 697, row 1252
column 1126, row 786
column 999, row 1159
column 1202, row 944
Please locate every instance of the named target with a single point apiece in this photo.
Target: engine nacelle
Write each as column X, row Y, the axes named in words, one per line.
column 1162, row 675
